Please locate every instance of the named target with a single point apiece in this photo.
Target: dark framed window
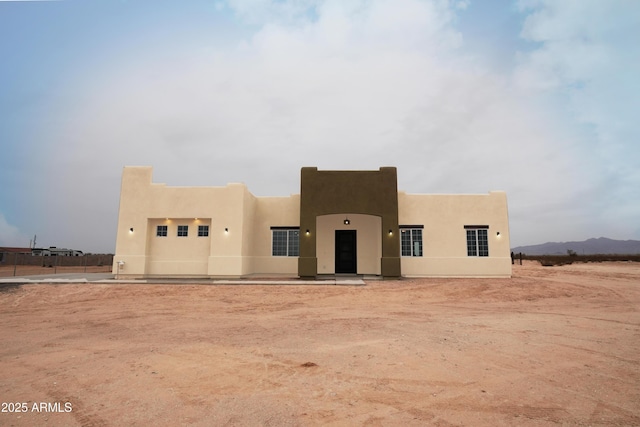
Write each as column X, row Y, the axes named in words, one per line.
column 411, row 240
column 183, row 230
column 477, row 240
column 203, row 231
column 161, row 231
column 285, row 241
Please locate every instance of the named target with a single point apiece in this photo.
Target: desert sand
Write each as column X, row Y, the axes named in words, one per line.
column 550, row 346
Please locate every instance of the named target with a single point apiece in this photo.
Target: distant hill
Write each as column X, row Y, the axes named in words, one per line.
column 601, row 245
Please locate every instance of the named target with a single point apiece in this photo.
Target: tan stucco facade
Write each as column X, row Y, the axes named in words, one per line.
column 238, row 230
column 444, row 217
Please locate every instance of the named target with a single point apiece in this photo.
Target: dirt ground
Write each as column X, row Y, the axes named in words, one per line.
column 552, row 345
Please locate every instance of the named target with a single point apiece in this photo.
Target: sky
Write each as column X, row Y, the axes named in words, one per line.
column 539, row 98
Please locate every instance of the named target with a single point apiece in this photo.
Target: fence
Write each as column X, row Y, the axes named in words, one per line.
column 25, row 264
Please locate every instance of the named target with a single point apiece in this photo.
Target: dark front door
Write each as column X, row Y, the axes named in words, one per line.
column 346, row 252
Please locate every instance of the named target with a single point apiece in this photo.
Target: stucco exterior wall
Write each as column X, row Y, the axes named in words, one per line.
column 273, row 212
column 444, row 217
column 145, row 205
column 240, row 224
column 173, row 255
column 239, row 241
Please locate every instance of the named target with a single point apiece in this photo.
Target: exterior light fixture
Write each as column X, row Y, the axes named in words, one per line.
column 390, row 232
column 131, row 230
column 498, row 234
column 226, row 230
column 307, row 232
column 346, row 221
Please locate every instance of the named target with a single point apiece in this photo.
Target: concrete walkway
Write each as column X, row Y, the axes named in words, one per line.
column 108, row 278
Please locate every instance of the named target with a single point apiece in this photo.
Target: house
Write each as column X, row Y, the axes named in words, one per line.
column 342, row 222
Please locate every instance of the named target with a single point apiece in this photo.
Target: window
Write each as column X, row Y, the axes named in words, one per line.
column 203, row 231
column 285, row 241
column 183, row 230
column 161, row 231
column 477, row 240
column 411, row 240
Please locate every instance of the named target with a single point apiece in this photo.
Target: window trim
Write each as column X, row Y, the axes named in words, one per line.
column 288, row 230
column 165, row 232
column 203, row 230
column 411, row 229
column 478, row 250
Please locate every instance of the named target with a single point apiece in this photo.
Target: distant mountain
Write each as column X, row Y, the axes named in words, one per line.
column 601, row 245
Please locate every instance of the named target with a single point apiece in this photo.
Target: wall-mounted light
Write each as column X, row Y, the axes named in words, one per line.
column 498, row 234
column 131, row 230
column 226, row 230
column 346, row 221
column 390, row 232
column 307, row 232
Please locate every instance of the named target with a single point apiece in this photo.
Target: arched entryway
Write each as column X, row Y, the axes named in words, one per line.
column 349, row 244
column 332, row 194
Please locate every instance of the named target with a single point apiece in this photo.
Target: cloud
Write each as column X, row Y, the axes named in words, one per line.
column 587, row 55
column 351, row 88
column 587, row 62
column 338, row 85
column 259, row 12
column 10, row 235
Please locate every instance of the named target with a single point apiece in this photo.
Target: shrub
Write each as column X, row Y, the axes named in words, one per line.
column 571, row 257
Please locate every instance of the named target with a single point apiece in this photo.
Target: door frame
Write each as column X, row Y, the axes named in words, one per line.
column 354, row 247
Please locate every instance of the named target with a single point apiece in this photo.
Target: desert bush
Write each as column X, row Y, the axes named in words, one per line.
column 550, row 261
column 553, row 260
